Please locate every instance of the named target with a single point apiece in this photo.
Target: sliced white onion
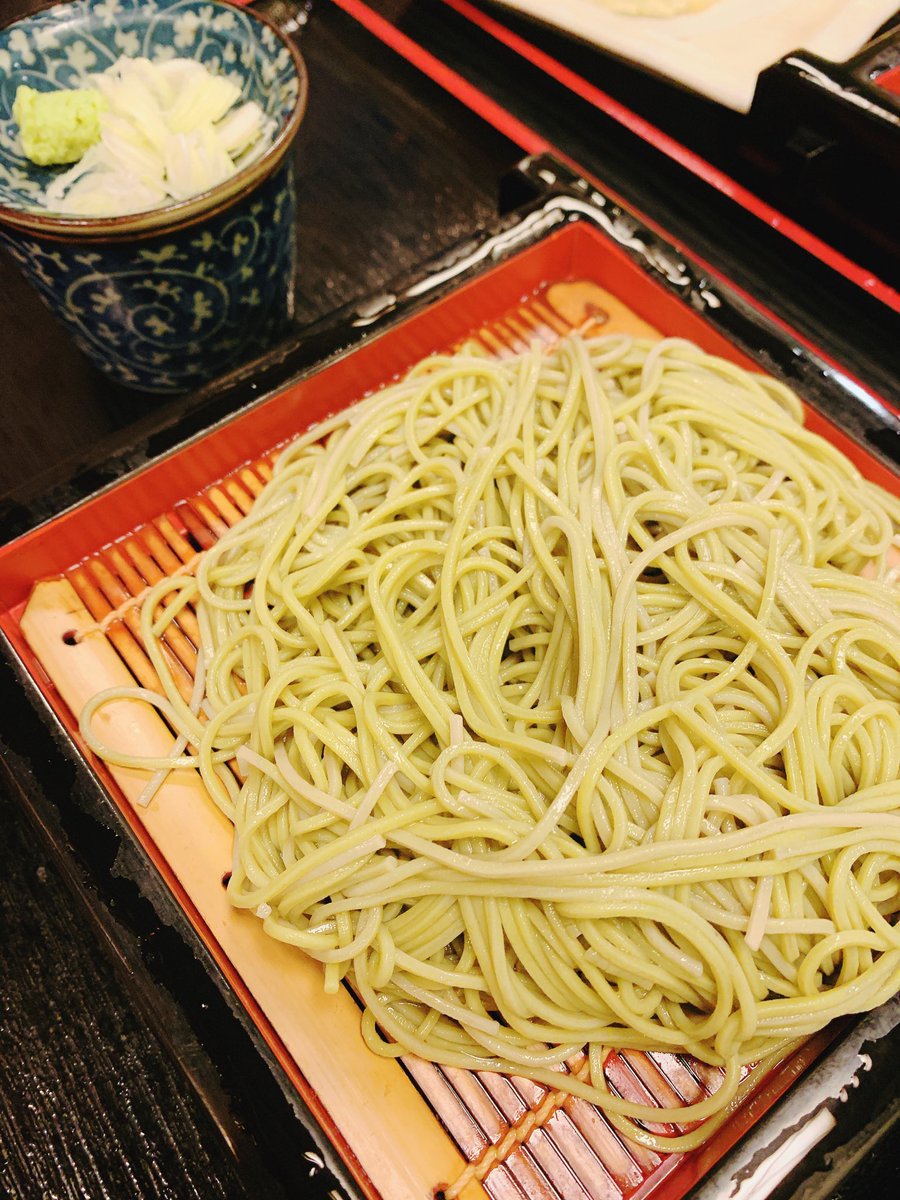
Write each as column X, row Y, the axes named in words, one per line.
column 166, row 135
column 239, row 128
column 204, row 98
column 123, row 148
column 195, row 162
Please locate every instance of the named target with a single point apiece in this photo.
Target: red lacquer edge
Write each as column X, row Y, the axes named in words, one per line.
column 681, row 154
column 889, row 80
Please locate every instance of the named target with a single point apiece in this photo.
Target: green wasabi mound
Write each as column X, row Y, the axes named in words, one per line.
column 57, row 127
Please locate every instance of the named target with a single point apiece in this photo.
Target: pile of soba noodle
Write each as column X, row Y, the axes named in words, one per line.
column 556, row 703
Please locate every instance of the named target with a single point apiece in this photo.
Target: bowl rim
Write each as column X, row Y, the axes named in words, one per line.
column 172, row 216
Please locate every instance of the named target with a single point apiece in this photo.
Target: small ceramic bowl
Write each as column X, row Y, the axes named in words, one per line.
column 164, row 299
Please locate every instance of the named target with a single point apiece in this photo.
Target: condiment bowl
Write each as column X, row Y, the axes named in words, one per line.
column 165, row 299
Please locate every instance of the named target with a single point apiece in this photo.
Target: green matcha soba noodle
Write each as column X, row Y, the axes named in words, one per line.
column 556, row 703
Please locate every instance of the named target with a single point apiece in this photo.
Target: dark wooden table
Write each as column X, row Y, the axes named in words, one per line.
column 122, row 1071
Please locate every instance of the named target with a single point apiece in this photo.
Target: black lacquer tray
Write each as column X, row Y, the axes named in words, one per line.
column 562, row 252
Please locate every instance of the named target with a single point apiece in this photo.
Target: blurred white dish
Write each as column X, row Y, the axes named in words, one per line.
column 720, row 51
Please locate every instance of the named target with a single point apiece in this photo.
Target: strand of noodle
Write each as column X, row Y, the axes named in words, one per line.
column 156, row 781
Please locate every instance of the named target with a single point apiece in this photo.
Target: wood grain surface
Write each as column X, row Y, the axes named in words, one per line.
column 91, row 1102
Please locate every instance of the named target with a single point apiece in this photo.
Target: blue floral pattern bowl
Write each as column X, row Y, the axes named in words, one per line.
column 164, row 299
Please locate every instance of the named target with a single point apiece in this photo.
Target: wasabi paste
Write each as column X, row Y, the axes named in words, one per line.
column 58, row 127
